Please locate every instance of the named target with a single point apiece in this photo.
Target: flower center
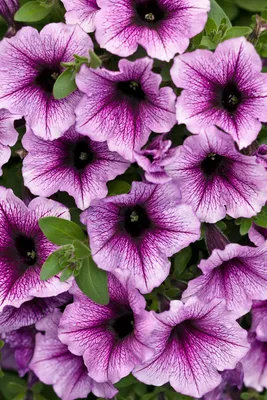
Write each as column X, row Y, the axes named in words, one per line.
column 231, row 97
column 132, row 90
column 124, row 325
column 136, row 221
column 212, row 165
column 81, row 155
column 150, row 11
column 46, row 78
column 26, row 250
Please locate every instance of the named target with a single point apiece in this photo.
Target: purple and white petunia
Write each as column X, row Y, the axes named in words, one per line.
column 21, row 343
column 24, row 249
column 162, row 27
column 154, row 158
column 55, row 365
column 210, row 173
column 255, row 364
column 30, row 65
column 192, row 342
column 257, row 234
column 124, row 106
column 119, row 329
column 73, row 163
column 230, row 387
column 137, row 232
column 81, row 12
column 237, row 274
column 8, row 8
column 259, row 319
column 8, row 135
column 225, row 88
column 12, row 318
column 261, row 155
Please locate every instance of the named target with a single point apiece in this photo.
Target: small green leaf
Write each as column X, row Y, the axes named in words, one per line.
column 17, row 387
column 118, row 187
column 208, row 43
column 60, row 231
column 95, row 61
column 65, row 84
column 31, row 12
column 81, row 250
column 93, row 281
column 66, row 274
column 52, row 266
column 261, row 220
column 127, row 381
column 217, row 14
column 237, row 31
column 245, row 226
column 211, row 26
column 181, row 260
column 2, row 343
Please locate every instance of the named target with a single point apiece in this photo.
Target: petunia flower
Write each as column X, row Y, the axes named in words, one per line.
column 162, row 27
column 123, row 107
column 12, row 318
column 81, row 12
column 21, row 343
column 192, row 342
column 153, row 159
column 259, row 319
column 261, row 155
column 73, row 163
column 257, row 234
column 236, row 274
column 8, row 135
column 110, row 338
column 8, row 8
column 216, row 179
column 225, row 88
column 137, row 232
column 55, row 365
column 30, row 65
column 230, row 387
column 24, row 249
column 255, row 364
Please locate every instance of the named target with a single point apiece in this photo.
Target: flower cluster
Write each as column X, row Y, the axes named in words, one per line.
column 186, row 150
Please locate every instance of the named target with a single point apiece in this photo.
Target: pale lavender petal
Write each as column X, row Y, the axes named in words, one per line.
column 81, row 12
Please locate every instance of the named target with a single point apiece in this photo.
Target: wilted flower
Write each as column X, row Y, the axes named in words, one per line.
column 216, row 179
column 30, row 65
column 192, row 342
column 225, row 88
column 259, row 319
column 257, row 234
column 154, row 158
column 8, row 8
column 162, row 27
column 124, row 107
column 81, row 12
column 138, row 231
column 119, row 329
column 74, row 164
column 55, row 365
column 8, row 135
column 24, row 249
column 255, row 364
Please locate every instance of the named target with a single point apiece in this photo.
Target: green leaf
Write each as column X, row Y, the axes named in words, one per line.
column 2, row 343
column 66, row 274
column 217, row 14
column 60, row 231
column 237, row 31
column 261, row 220
column 81, row 250
column 252, row 5
column 211, row 26
column 230, row 9
column 181, row 260
column 51, row 267
column 245, row 226
column 208, row 43
column 95, row 61
column 127, row 381
column 93, row 281
column 65, row 84
column 31, row 12
column 118, row 187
